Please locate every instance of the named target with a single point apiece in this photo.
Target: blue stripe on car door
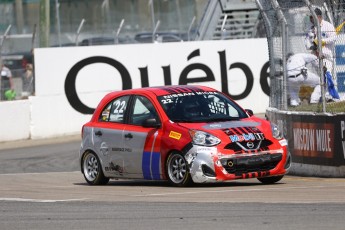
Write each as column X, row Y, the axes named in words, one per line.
column 146, row 165
column 151, row 165
column 155, row 163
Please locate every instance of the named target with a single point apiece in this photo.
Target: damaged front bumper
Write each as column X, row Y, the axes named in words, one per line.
column 207, row 164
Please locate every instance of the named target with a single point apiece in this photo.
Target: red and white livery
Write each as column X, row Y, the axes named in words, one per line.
column 182, row 134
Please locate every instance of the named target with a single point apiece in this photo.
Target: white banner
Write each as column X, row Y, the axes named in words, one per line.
column 85, row 74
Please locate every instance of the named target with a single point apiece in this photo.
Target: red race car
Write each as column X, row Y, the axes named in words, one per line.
column 182, row 134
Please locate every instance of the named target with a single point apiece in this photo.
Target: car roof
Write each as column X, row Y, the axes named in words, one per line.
column 165, row 90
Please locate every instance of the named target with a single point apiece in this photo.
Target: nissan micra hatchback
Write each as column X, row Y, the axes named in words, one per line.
column 182, row 134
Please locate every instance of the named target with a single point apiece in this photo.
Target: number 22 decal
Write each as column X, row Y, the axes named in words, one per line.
column 119, row 106
column 167, row 101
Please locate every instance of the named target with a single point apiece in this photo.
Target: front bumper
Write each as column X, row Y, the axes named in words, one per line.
column 207, row 164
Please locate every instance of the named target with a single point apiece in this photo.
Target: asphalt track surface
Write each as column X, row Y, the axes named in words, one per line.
column 41, row 187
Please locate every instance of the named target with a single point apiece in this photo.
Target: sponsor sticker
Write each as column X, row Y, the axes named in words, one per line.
column 175, row 135
column 313, row 139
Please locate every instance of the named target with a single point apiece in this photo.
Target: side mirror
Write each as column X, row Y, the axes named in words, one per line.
column 249, row 112
column 151, row 123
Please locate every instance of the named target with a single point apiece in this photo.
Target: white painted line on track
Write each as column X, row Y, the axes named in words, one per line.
column 38, row 200
column 38, row 173
column 232, row 190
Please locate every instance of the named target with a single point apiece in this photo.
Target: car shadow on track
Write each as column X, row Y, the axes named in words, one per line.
column 147, row 183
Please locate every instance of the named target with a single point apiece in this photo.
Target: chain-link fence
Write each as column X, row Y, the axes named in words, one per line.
column 307, row 73
column 86, row 23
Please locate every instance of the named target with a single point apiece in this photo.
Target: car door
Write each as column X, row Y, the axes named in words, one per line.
column 108, row 136
column 142, row 143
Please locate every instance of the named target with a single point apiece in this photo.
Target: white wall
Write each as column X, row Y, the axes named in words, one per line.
column 14, row 120
column 50, row 113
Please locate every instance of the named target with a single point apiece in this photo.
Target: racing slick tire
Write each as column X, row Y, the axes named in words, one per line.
column 270, row 180
column 178, row 170
column 92, row 169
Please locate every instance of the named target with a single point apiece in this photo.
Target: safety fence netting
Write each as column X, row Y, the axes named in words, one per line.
column 306, row 44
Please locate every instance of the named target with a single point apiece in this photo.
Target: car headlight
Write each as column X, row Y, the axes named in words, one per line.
column 276, row 131
column 203, row 138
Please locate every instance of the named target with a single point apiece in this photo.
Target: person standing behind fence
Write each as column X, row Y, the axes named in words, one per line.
column 28, row 81
column 328, row 37
column 6, row 81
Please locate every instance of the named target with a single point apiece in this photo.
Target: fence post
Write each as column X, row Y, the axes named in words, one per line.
column 2, row 42
column 78, row 31
column 319, row 49
column 282, row 20
column 190, row 27
column 155, row 30
column 44, row 23
column 118, row 31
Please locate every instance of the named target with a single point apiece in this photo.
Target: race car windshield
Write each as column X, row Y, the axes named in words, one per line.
column 200, row 107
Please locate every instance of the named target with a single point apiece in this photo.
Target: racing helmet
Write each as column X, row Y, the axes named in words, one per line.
column 191, row 108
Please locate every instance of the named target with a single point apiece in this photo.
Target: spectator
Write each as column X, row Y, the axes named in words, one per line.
column 328, row 37
column 6, row 82
column 28, row 80
column 298, row 74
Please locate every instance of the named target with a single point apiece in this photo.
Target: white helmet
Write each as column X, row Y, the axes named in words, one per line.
column 309, row 41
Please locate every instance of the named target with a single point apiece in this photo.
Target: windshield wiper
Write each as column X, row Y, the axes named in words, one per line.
column 222, row 119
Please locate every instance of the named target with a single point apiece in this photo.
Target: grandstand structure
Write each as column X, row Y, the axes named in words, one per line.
column 225, row 19
column 81, row 21
column 95, row 22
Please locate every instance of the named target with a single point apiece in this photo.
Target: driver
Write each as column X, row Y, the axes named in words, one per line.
column 191, row 109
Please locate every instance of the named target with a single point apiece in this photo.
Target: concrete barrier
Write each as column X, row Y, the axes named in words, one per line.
column 15, row 117
column 316, row 141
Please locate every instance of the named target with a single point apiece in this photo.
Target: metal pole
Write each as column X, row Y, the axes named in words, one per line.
column 4, row 36
column 190, row 27
column 118, row 31
column 19, row 16
column 44, row 16
column 2, row 42
column 105, row 12
column 78, row 31
column 57, row 10
column 155, row 30
column 33, row 38
column 333, row 51
column 152, row 13
column 283, row 104
column 319, row 49
column 222, row 30
column 271, row 49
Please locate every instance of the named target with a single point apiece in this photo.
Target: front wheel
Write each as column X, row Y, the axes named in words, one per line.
column 92, row 170
column 178, row 170
column 270, row 180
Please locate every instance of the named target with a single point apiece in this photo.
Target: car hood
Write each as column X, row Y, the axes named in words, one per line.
column 242, row 127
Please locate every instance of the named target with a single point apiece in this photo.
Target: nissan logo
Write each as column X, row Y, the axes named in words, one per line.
column 250, row 145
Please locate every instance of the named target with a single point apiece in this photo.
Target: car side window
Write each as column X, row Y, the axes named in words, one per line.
column 143, row 109
column 114, row 111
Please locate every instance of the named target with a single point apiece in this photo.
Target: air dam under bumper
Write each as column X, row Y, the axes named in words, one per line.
column 206, row 164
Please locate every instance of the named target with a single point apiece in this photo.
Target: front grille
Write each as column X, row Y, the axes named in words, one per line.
column 260, row 145
column 247, row 164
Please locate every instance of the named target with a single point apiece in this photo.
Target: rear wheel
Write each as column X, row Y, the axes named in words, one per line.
column 270, row 180
column 178, row 170
column 92, row 170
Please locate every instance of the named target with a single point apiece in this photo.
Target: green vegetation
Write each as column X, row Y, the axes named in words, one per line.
column 331, row 107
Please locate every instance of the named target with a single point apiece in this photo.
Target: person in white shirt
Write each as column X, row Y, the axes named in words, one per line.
column 328, row 38
column 298, row 74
